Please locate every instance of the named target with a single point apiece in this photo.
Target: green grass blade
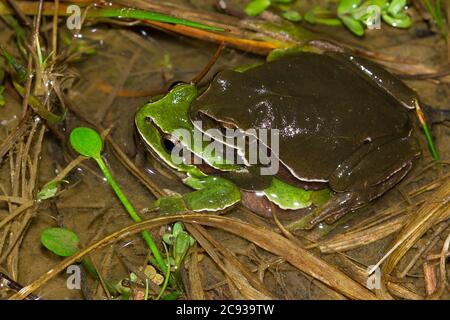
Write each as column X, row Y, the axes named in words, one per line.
column 130, row 13
column 431, row 145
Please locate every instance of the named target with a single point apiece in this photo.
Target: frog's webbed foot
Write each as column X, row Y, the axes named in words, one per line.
column 335, row 208
column 369, row 173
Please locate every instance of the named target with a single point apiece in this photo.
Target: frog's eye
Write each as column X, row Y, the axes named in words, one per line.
column 168, row 144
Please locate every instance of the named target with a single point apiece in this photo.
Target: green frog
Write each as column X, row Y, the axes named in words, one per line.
column 344, row 131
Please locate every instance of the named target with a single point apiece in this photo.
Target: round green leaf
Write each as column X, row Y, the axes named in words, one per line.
column 168, row 238
column 401, row 20
column 177, row 228
column 256, row 7
column 181, row 247
column 354, row 25
column 380, row 3
column 309, row 17
column 396, row 7
column 60, row 241
column 346, row 6
column 86, row 142
column 292, row 15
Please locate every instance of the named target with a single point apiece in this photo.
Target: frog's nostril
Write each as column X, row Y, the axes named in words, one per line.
column 148, row 120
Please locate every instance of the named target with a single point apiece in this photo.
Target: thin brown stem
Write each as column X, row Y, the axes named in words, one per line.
column 55, row 30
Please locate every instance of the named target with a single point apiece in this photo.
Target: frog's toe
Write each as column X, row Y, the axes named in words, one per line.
column 335, row 208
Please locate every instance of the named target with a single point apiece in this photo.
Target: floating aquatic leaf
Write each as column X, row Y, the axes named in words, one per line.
column 401, row 20
column 346, row 6
column 353, row 25
column 396, row 7
column 292, row 15
column 256, row 7
column 86, row 142
column 62, row 242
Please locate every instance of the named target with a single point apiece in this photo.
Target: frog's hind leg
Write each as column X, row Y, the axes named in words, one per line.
column 366, row 175
column 344, row 202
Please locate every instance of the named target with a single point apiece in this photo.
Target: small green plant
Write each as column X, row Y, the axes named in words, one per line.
column 88, row 143
column 256, row 7
column 65, row 243
column 426, row 130
column 292, row 15
column 38, row 107
column 20, row 33
column 180, row 241
column 435, row 10
column 138, row 14
column 357, row 15
column 49, row 190
column 19, row 70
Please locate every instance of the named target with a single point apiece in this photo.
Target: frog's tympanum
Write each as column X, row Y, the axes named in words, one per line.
column 345, row 134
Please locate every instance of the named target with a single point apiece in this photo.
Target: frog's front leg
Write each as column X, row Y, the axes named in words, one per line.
column 372, row 170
